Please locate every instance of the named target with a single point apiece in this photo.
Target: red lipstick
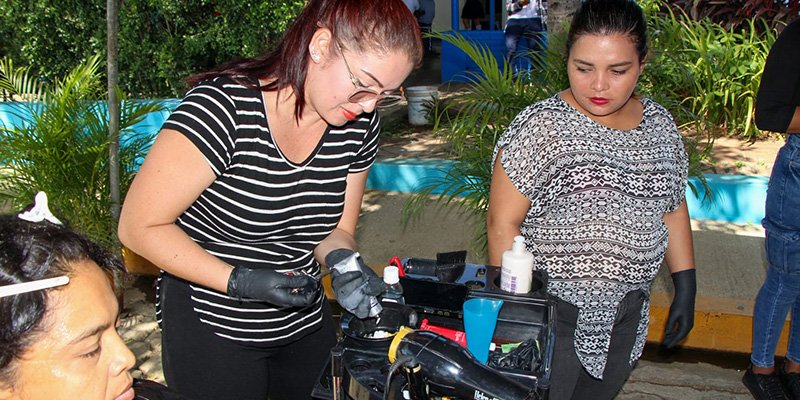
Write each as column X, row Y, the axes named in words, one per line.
column 598, row 100
column 349, row 115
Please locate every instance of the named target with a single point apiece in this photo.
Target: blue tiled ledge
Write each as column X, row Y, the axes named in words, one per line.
column 735, row 198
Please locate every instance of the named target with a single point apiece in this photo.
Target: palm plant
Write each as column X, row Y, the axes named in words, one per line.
column 61, row 146
column 17, row 82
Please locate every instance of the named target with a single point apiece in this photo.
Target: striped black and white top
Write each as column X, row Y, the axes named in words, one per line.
column 263, row 211
column 598, row 198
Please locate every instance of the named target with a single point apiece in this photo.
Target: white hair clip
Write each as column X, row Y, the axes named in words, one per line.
column 40, row 212
column 25, row 287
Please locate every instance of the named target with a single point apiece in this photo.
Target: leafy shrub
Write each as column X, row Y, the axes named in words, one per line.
column 51, row 36
column 164, row 41
column 473, row 121
column 160, row 43
column 706, row 73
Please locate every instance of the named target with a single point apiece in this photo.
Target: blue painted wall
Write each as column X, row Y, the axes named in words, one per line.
column 458, row 67
column 735, row 198
column 16, row 114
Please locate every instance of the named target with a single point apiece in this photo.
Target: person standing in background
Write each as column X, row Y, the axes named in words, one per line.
column 778, row 110
column 472, row 14
column 526, row 19
column 425, row 20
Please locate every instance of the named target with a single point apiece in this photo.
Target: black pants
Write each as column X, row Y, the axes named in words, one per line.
column 568, row 378
column 203, row 366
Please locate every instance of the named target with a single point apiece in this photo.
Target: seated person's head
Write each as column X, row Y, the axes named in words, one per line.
column 59, row 342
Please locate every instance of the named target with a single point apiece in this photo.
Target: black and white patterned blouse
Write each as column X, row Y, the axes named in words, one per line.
column 263, row 210
column 598, row 197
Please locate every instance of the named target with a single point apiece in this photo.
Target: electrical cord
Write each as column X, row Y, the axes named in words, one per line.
column 403, row 360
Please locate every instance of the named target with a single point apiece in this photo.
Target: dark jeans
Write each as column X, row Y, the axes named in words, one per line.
column 781, row 289
column 568, row 378
column 203, row 366
column 530, row 29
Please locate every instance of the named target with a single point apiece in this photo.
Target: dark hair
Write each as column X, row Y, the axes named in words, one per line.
column 377, row 25
column 607, row 17
column 31, row 251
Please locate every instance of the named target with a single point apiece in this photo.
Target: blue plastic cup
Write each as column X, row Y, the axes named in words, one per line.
column 480, row 319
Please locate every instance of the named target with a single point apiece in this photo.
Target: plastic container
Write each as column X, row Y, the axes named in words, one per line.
column 419, row 100
column 393, row 291
column 480, row 320
column 516, row 268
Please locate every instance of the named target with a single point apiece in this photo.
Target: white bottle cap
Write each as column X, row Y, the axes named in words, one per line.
column 391, row 275
column 519, row 244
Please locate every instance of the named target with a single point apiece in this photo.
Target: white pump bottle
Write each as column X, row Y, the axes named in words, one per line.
column 516, row 268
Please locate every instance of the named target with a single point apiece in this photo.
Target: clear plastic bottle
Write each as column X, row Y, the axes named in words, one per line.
column 393, row 291
column 516, row 268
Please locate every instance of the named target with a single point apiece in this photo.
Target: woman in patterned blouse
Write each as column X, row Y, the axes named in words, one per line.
column 594, row 179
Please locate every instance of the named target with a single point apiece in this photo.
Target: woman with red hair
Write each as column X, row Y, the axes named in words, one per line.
column 253, row 183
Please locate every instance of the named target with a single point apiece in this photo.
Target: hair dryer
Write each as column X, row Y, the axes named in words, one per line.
column 450, row 369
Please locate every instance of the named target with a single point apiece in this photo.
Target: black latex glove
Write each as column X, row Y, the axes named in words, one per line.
column 274, row 287
column 681, row 312
column 355, row 285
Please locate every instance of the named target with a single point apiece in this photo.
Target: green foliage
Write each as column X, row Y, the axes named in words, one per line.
column 62, row 148
column 17, row 82
column 712, row 72
column 164, row 41
column 161, row 42
column 51, row 36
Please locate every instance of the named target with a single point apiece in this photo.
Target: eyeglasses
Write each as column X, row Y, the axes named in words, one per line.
column 362, row 93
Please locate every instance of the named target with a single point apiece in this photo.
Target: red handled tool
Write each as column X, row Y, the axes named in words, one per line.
column 399, row 264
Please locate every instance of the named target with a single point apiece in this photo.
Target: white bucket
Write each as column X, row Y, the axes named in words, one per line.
column 419, row 100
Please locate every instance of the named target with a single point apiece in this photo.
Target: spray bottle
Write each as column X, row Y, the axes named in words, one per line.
column 516, row 268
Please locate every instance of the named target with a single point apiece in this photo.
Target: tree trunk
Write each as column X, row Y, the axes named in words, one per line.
column 112, row 23
column 559, row 13
column 112, row 16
